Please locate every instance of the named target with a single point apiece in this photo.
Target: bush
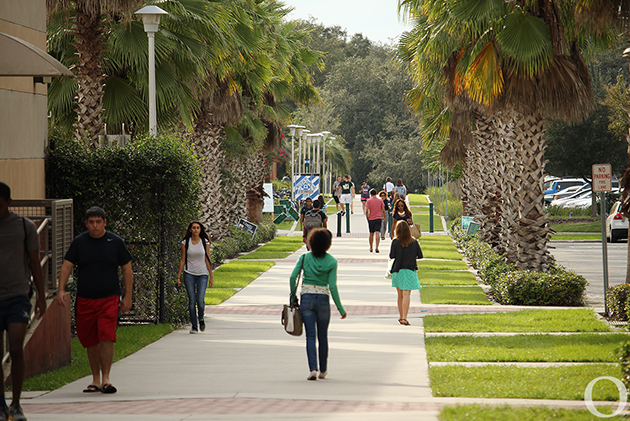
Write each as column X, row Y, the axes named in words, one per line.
column 240, row 241
column 617, row 301
column 556, row 288
column 624, row 361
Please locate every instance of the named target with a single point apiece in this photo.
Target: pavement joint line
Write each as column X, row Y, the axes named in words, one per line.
column 490, row 334
column 517, row 363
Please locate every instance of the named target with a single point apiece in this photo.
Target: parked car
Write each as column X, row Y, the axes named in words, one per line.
column 573, row 191
column 584, row 200
column 616, row 224
column 562, row 184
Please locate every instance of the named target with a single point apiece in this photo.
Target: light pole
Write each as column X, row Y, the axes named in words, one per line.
column 293, row 128
column 151, row 19
column 305, row 133
column 325, row 135
column 329, row 166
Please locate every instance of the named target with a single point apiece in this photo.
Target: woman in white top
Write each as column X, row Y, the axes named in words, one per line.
column 195, row 263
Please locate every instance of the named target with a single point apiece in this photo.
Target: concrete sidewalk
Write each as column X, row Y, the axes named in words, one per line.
column 246, row 367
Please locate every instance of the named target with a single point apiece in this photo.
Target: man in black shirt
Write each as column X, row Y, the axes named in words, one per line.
column 98, row 254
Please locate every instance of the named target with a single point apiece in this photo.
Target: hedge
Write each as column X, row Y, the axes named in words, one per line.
column 557, row 287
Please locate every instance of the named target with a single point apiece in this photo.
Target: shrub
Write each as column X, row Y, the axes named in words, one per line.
column 240, row 241
column 556, row 288
column 617, row 301
column 624, row 361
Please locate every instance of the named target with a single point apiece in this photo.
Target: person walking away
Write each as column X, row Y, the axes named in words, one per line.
column 401, row 213
column 19, row 259
column 336, row 187
column 98, row 254
column 318, row 282
column 404, row 250
column 388, row 213
column 308, row 205
column 322, row 202
column 197, row 268
column 401, row 189
column 314, row 218
column 347, row 192
column 365, row 194
column 389, row 187
column 375, row 215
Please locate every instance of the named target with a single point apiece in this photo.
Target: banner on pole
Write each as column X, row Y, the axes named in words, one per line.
column 306, row 185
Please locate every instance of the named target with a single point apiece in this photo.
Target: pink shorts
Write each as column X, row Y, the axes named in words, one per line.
column 97, row 320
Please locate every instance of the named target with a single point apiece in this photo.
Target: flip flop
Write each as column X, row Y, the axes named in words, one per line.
column 108, row 388
column 92, row 389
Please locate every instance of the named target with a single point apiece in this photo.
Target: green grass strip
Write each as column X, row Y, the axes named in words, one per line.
column 130, row 339
column 418, row 199
column 572, row 320
column 581, row 347
column 439, row 247
column 524, row 382
column 446, row 277
column 423, row 220
column 595, row 226
column 278, row 248
column 577, row 237
column 286, row 225
column 426, row 264
column 234, row 275
column 453, row 295
column 516, row 413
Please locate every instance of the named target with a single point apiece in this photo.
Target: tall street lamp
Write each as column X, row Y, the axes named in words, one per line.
column 293, row 128
column 151, row 19
column 325, row 135
column 301, row 158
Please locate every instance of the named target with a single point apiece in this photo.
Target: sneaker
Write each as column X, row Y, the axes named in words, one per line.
column 194, row 330
column 312, row 376
column 202, row 325
column 16, row 412
column 4, row 413
column 323, row 374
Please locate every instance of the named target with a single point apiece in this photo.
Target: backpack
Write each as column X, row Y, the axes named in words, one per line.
column 204, row 241
column 312, row 219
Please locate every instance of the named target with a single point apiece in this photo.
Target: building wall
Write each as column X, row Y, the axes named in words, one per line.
column 23, row 106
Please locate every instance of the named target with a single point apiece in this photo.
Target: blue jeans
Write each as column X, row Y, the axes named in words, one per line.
column 196, row 287
column 315, row 309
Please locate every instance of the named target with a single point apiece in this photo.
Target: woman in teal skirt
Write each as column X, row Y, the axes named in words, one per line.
column 404, row 250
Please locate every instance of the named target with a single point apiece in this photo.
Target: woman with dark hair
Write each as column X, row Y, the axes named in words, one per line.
column 195, row 263
column 319, row 280
column 400, row 213
column 404, row 250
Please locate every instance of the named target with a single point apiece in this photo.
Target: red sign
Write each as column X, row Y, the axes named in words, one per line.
column 602, row 178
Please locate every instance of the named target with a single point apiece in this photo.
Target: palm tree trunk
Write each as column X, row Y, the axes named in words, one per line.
column 89, row 76
column 207, row 145
column 532, row 232
column 257, row 170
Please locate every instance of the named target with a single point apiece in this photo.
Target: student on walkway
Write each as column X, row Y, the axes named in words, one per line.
column 365, row 194
column 308, row 205
column 401, row 189
column 195, row 263
column 404, row 250
column 336, row 187
column 318, row 282
column 401, row 213
column 375, row 214
column 387, row 204
column 347, row 192
column 389, row 187
column 19, row 258
column 314, row 218
column 98, row 254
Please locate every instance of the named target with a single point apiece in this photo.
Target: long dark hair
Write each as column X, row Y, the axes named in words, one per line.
column 407, row 211
column 202, row 234
column 403, row 234
column 319, row 241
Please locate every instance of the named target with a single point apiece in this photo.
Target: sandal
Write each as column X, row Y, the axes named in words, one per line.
column 404, row 322
column 108, row 388
column 92, row 389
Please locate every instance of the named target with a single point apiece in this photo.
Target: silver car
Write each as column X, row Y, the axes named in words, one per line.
column 616, row 224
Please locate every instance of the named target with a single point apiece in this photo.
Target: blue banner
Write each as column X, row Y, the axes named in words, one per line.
column 306, row 185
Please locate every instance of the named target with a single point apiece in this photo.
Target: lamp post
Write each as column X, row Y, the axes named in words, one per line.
column 305, row 133
column 151, row 19
column 325, row 135
column 293, row 128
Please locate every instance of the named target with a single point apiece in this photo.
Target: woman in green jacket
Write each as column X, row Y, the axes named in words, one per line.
column 318, row 282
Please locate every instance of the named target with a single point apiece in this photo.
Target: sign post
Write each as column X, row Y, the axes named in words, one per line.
column 602, row 183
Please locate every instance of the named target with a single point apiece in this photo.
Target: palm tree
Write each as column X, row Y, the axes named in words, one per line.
column 521, row 60
column 88, row 31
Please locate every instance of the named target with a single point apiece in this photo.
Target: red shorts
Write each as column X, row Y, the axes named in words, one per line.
column 97, row 320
